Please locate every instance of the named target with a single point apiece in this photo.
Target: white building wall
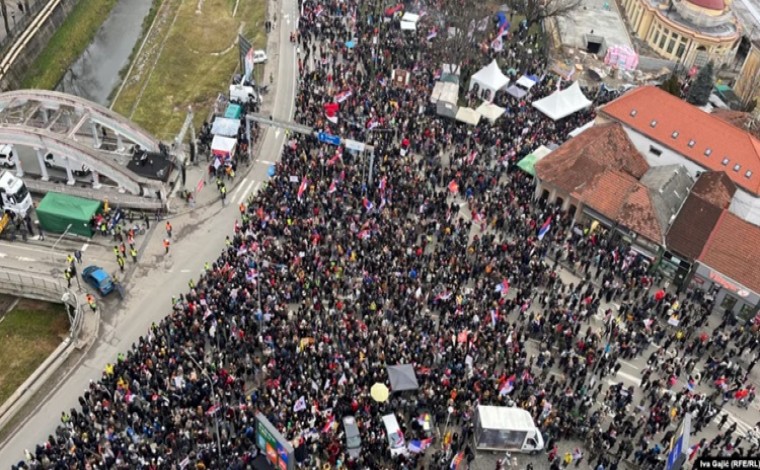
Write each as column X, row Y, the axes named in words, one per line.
column 746, row 206
column 649, row 147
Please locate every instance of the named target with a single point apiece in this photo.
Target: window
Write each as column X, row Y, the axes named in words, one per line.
column 736, row 167
column 748, row 174
column 653, row 123
column 633, row 113
column 663, row 38
column 671, row 45
column 692, row 143
column 674, row 134
column 681, row 49
column 725, row 161
column 708, row 152
column 655, row 151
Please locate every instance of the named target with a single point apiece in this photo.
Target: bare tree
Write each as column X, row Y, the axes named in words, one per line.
column 4, row 11
column 536, row 11
column 461, row 26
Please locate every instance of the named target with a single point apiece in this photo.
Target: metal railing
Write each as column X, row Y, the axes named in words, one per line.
column 44, row 288
column 17, row 26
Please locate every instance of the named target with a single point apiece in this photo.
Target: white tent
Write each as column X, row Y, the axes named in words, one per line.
column 446, row 92
column 525, row 82
column 223, row 146
column 563, row 103
column 468, row 116
column 490, row 111
column 225, row 126
column 489, row 78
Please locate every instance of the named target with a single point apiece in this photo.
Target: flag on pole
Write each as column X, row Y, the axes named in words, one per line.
column 503, row 286
column 367, row 204
column 331, row 112
column 494, row 318
column 302, row 187
column 471, row 157
column 457, row 460
column 545, row 228
column 333, row 187
column 343, row 96
column 300, row 404
column 507, row 387
column 328, row 425
column 248, row 64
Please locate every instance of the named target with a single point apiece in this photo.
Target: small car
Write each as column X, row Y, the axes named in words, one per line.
column 99, row 279
column 259, row 57
column 353, row 438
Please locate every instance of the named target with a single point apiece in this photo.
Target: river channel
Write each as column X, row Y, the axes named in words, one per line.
column 95, row 74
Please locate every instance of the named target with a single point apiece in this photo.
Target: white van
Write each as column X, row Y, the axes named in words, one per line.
column 242, row 93
column 59, row 161
column 7, row 156
column 396, row 440
column 511, row 429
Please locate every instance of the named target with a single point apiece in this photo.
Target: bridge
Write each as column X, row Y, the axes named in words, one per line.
column 77, row 133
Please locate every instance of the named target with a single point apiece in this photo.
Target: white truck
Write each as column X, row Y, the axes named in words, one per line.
column 7, row 156
column 58, row 161
column 14, row 197
column 511, row 429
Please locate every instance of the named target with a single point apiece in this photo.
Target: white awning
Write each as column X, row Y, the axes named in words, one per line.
column 490, row 111
column 410, row 17
column 468, row 116
column 222, row 145
column 563, row 103
column 446, row 92
column 225, row 126
column 525, row 82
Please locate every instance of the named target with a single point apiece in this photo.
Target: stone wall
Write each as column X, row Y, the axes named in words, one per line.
column 36, row 43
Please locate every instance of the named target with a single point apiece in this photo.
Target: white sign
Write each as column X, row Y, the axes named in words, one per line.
column 354, row 145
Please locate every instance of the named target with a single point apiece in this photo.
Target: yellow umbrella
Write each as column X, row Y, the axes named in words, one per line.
column 379, row 392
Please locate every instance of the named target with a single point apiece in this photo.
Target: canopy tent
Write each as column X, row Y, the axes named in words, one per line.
column 233, row 111
column 223, row 146
column 528, row 164
column 489, row 78
column 578, row 130
column 621, row 57
column 468, row 116
column 517, row 92
column 402, row 377
column 446, row 92
column 225, row 126
column 526, row 82
column 450, row 73
column 563, row 103
column 490, row 111
column 60, row 213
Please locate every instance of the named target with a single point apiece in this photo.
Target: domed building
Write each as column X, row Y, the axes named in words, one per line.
column 690, row 32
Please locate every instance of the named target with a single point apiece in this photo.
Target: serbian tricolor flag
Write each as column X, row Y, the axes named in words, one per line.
column 545, row 228
column 302, row 187
column 691, row 384
column 433, row 33
column 383, row 184
column 494, row 318
column 457, row 460
column 331, row 112
column 212, row 410
column 471, row 157
column 367, row 204
column 343, row 96
column 335, row 158
column 453, row 187
column 333, row 187
column 445, row 295
column 507, row 387
column 328, row 425
column 503, row 286
column 363, row 235
column 372, row 123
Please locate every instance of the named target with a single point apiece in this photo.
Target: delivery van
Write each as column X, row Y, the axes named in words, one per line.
column 503, row 428
column 7, row 156
column 59, row 161
column 396, row 440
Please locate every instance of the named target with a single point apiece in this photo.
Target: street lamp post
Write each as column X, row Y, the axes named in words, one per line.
column 215, row 402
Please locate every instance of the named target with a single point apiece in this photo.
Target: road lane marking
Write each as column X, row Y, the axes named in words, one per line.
column 185, row 271
column 240, row 186
column 24, row 258
column 245, row 193
column 629, row 364
column 267, row 162
column 3, row 255
column 29, row 248
column 629, row 377
column 84, row 247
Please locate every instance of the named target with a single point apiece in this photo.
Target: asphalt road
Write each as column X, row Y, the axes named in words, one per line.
column 198, row 237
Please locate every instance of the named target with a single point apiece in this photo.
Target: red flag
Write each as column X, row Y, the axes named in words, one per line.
column 302, row 188
column 331, row 112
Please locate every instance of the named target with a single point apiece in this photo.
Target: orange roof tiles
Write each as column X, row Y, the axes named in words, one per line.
column 658, row 115
column 715, row 187
column 733, row 249
column 596, row 150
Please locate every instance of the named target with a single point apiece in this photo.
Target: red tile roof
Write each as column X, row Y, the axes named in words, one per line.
column 715, row 187
column 692, row 228
column 596, row 150
column 620, row 197
column 643, row 106
column 733, row 250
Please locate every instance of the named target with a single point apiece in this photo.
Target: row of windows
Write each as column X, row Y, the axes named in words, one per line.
column 658, row 152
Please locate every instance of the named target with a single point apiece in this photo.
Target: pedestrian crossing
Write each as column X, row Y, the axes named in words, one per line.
column 241, row 194
column 742, row 428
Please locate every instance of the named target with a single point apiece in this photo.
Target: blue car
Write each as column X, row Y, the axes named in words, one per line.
column 98, row 278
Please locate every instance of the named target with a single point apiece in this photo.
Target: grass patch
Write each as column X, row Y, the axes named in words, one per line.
column 188, row 60
column 28, row 334
column 67, row 43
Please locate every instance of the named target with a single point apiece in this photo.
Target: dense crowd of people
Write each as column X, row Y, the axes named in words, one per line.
column 436, row 261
